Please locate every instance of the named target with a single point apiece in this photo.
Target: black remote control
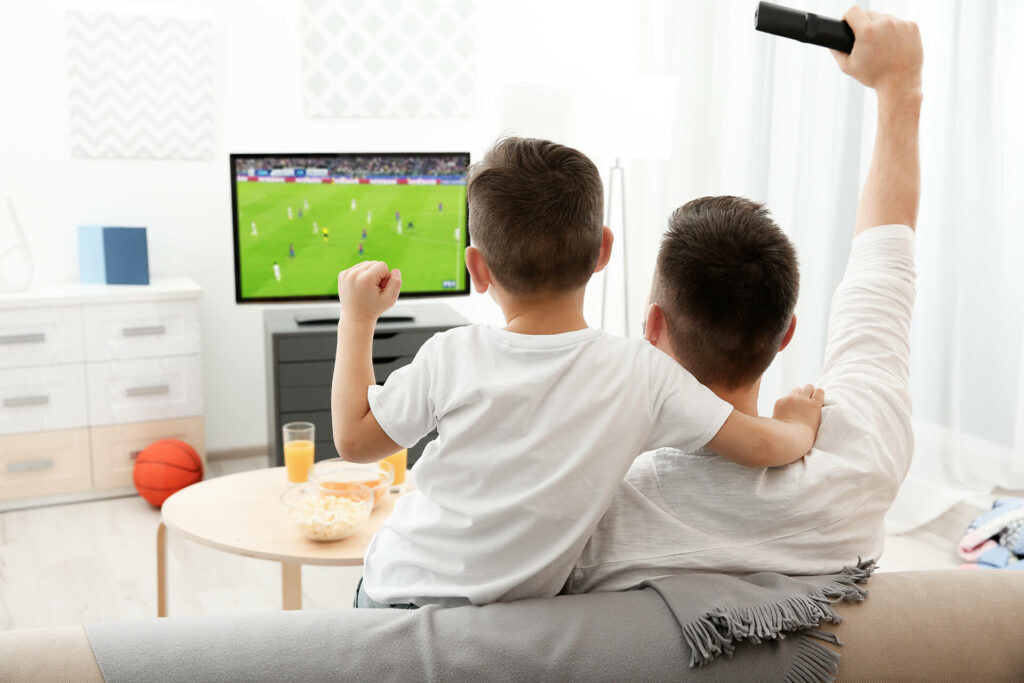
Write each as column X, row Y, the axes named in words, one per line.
column 806, row 27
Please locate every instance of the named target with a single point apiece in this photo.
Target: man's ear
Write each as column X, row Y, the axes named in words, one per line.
column 479, row 273
column 789, row 333
column 654, row 323
column 606, row 249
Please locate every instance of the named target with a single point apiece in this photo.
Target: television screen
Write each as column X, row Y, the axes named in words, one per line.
column 300, row 219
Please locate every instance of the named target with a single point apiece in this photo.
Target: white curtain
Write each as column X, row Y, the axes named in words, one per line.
column 775, row 120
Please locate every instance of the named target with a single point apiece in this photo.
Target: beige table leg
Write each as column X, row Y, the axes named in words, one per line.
column 291, row 586
column 161, row 570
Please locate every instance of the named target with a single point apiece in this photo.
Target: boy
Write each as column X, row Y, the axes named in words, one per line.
column 537, row 422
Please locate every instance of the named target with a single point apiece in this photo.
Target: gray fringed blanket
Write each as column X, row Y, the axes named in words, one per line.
column 672, row 628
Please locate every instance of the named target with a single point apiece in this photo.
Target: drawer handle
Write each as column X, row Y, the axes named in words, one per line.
column 34, row 338
column 155, row 390
column 30, row 466
column 145, row 331
column 23, row 401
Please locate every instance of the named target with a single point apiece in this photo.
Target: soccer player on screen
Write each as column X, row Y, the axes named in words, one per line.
column 440, row 207
column 360, row 248
column 399, row 227
column 364, row 233
column 315, row 228
column 291, row 250
column 305, row 206
column 369, row 216
column 353, row 203
column 277, row 272
column 290, row 217
column 254, row 232
column 324, row 232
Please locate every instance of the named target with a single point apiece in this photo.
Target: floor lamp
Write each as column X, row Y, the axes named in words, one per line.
column 617, row 173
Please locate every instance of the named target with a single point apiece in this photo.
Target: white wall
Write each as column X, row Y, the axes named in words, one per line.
column 528, row 52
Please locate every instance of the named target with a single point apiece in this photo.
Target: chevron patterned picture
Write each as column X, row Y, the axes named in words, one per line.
column 140, row 87
column 388, row 58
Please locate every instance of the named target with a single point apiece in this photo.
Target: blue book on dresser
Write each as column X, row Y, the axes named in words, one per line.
column 114, row 256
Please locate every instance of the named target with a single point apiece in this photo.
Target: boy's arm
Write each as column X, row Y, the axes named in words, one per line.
column 366, row 290
column 780, row 440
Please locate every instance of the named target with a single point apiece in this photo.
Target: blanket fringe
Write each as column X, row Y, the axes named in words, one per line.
column 718, row 631
column 813, row 662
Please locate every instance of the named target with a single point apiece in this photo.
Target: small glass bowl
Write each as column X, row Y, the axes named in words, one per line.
column 327, row 514
column 337, row 473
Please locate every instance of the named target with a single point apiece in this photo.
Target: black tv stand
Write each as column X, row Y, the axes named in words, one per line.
column 303, row 319
column 300, row 348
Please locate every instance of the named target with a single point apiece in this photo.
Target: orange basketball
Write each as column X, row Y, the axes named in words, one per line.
column 164, row 467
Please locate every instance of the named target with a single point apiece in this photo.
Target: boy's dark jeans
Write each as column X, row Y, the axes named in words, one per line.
column 362, row 600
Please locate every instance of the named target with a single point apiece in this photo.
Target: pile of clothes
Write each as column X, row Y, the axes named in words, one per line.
column 995, row 540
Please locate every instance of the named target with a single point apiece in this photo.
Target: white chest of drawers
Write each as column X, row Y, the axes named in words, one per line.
column 90, row 375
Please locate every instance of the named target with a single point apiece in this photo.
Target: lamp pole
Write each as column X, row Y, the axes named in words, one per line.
column 617, row 172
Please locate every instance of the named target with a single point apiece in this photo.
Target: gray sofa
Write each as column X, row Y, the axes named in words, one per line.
column 927, row 626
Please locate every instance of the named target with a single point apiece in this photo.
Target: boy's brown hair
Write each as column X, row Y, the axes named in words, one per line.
column 535, row 212
column 727, row 281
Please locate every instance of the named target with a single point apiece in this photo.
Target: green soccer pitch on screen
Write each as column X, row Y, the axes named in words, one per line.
column 300, row 219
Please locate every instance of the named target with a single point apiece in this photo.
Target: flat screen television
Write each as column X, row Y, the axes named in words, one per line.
column 300, row 219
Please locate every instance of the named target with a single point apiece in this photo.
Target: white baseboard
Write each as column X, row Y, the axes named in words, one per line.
column 66, row 498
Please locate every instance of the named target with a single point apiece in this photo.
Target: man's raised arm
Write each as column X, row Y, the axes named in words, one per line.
column 887, row 57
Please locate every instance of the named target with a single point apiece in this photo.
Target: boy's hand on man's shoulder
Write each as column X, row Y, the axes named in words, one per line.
column 801, row 406
column 368, row 289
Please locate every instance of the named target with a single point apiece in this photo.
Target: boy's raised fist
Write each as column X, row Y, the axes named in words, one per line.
column 368, row 289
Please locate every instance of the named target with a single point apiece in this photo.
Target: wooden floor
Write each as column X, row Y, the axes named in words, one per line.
column 73, row 564
column 95, row 561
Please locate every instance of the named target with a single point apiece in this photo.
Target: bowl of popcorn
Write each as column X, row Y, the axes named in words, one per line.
column 337, row 474
column 327, row 514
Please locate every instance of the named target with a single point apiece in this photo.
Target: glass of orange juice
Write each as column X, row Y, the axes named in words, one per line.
column 400, row 461
column 298, row 450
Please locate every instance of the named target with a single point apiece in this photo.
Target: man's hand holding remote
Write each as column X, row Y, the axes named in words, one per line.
column 887, row 56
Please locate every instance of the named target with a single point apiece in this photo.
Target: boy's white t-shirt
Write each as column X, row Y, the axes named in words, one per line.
column 535, row 433
column 684, row 510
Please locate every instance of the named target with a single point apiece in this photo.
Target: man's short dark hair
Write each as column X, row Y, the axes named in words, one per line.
column 535, row 212
column 727, row 281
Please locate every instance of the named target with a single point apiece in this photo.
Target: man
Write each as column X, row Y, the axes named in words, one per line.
column 721, row 304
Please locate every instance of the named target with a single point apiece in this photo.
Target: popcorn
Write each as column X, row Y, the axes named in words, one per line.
column 326, row 517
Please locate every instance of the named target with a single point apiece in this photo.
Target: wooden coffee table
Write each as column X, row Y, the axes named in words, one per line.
column 242, row 514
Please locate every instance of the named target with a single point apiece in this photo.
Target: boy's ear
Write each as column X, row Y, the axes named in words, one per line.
column 478, row 271
column 606, row 249
column 789, row 333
